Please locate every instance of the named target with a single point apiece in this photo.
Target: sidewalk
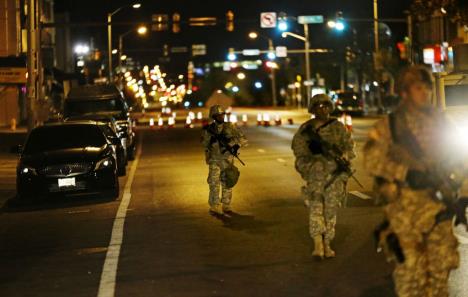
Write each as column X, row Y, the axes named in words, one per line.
column 10, row 138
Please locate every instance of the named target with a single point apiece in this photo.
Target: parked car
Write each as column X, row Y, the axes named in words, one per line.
column 349, row 103
column 67, row 158
column 108, row 126
column 103, row 101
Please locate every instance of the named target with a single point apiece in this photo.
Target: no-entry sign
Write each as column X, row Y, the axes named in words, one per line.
column 268, row 19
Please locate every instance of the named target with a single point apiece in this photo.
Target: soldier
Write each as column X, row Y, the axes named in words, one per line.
column 221, row 142
column 325, row 187
column 407, row 153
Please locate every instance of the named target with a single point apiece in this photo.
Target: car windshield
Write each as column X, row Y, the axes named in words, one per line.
column 63, row 137
column 80, row 107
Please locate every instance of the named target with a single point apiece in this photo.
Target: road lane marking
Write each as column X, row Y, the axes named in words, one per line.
column 261, row 151
column 109, row 270
column 361, row 195
column 281, row 160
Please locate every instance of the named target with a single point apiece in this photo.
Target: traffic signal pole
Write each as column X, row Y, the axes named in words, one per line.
column 271, row 48
column 307, row 63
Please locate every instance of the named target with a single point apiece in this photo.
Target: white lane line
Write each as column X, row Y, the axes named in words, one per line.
column 109, row 270
column 281, row 160
column 261, row 151
column 361, row 195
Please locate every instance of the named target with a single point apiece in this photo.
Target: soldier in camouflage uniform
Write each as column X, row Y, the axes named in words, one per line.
column 403, row 150
column 218, row 159
column 325, row 189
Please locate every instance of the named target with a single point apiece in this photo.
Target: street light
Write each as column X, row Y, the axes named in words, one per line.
column 109, row 34
column 305, row 39
column 141, row 30
column 271, row 55
column 81, row 49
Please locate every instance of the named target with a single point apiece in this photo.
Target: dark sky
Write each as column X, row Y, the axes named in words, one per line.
column 217, row 39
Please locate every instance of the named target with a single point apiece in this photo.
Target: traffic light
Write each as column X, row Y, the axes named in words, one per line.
column 231, row 55
column 230, row 21
column 402, row 49
column 176, row 23
column 283, row 22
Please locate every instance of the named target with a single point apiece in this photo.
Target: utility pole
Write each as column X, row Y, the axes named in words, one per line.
column 271, row 48
column 32, row 60
column 410, row 37
column 307, row 62
column 109, row 44
column 376, row 26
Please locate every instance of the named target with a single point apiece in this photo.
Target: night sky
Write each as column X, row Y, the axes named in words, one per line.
column 217, row 39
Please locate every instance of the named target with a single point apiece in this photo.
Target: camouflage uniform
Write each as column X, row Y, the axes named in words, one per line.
column 430, row 249
column 317, row 170
column 217, row 161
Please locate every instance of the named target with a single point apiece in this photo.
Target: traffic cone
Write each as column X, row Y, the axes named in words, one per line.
column 233, row 119
column 278, row 120
column 290, row 121
column 151, row 123
column 160, row 123
column 266, row 120
column 349, row 123
column 188, row 122
column 171, row 122
column 259, row 119
column 244, row 119
column 199, row 116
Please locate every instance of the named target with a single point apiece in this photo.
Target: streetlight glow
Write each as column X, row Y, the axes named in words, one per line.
column 81, row 49
column 136, row 5
column 114, row 51
column 241, row 75
column 123, row 58
column 142, row 30
column 271, row 55
column 253, row 35
column 331, row 24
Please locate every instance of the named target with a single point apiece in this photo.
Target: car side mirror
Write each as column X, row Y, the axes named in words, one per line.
column 17, row 149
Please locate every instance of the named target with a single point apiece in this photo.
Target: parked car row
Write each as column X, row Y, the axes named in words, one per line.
column 84, row 153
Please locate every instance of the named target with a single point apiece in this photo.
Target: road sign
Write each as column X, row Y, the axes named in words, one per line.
column 310, row 19
column 268, row 20
column 281, row 51
column 198, row 49
column 13, row 75
column 251, row 52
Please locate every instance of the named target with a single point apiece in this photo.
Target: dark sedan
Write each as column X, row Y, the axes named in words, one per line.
column 67, row 158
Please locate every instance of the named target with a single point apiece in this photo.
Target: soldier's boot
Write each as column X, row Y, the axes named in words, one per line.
column 227, row 209
column 318, row 247
column 329, row 252
column 215, row 210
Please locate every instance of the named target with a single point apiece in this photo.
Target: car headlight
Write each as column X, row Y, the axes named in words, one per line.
column 26, row 170
column 105, row 163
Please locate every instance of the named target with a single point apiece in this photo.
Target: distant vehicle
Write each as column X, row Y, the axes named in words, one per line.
column 109, row 128
column 103, row 101
column 67, row 158
column 349, row 103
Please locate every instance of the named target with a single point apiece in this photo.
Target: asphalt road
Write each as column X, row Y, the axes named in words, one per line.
column 164, row 242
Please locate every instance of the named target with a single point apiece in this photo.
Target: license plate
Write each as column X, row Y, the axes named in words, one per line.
column 66, row 182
